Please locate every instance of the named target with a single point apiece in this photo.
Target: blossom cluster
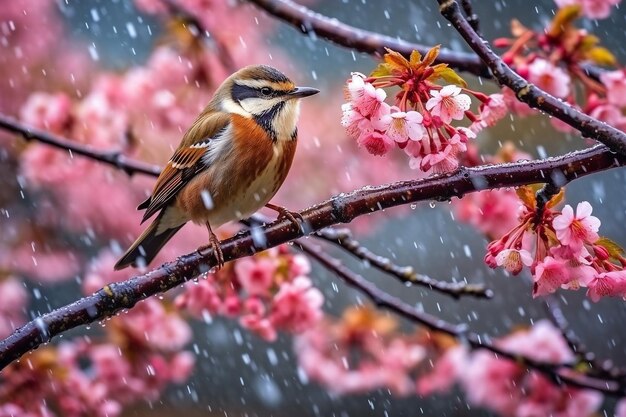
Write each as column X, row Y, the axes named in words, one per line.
column 420, row 120
column 593, row 9
column 88, row 378
column 360, row 352
column 507, row 387
column 554, row 59
column 269, row 292
column 561, row 248
column 364, row 350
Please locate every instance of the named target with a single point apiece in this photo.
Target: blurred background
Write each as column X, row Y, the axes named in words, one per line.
column 237, row 373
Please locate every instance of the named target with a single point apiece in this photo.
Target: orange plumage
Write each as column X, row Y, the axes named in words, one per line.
column 230, row 162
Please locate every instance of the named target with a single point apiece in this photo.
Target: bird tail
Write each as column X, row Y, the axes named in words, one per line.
column 147, row 245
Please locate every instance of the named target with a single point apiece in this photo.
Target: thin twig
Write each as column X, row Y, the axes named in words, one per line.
column 596, row 367
column 527, row 92
column 343, row 238
column 115, row 159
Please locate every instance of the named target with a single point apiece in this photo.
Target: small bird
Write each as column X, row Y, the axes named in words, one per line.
column 229, row 164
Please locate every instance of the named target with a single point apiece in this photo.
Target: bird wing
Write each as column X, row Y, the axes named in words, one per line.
column 185, row 163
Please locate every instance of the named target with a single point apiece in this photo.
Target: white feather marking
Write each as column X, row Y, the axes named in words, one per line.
column 284, row 123
column 229, row 106
column 258, row 106
column 220, row 145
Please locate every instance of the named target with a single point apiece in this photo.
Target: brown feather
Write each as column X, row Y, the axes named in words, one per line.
column 186, row 161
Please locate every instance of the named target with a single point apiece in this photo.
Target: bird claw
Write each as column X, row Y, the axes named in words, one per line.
column 214, row 245
column 294, row 217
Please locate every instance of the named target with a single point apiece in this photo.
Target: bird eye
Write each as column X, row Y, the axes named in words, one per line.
column 266, row 91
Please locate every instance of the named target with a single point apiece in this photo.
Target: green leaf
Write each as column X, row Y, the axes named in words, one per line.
column 448, row 75
column 383, row 69
column 563, row 19
column 601, row 56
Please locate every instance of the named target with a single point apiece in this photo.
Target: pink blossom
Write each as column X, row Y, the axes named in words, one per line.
column 609, row 114
column 608, row 284
column 149, row 323
column 542, row 342
column 615, row 82
column 438, row 163
column 47, row 111
column 580, row 275
column 593, row 9
column 445, row 371
column 353, row 120
column 13, row 300
column 549, row 78
column 575, row 230
column 297, row 305
column 200, row 297
column 256, row 275
column 549, row 275
column 364, row 96
column 493, row 110
column 514, row 260
column 401, row 126
column 255, row 319
column 448, row 103
column 509, row 389
column 514, row 105
column 375, row 142
column 490, row 382
column 493, row 212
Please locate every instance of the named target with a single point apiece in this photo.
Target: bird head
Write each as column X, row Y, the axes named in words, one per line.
column 265, row 94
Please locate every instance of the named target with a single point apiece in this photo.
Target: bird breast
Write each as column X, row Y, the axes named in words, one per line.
column 243, row 177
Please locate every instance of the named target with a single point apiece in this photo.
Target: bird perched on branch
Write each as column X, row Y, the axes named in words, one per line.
column 229, row 164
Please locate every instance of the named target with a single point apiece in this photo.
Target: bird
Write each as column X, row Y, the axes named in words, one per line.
column 229, row 164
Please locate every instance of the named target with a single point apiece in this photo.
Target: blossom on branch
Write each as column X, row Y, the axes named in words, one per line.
column 420, row 119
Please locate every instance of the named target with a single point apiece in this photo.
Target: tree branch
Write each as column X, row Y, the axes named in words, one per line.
column 309, row 22
column 343, row 238
column 115, row 159
column 131, row 166
column 559, row 373
column 340, row 209
column 527, row 92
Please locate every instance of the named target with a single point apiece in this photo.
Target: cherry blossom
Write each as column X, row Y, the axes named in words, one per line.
column 608, row 284
column 574, row 230
column 365, row 97
column 549, row 77
column 593, row 9
column 615, row 82
column 448, row 103
column 401, row 126
column 514, row 260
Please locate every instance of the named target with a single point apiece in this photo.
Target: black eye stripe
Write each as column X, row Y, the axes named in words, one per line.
column 241, row 92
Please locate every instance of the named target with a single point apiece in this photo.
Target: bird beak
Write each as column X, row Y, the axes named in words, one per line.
column 300, row 92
